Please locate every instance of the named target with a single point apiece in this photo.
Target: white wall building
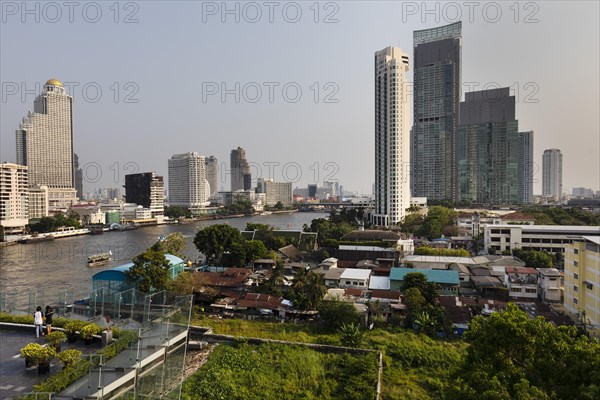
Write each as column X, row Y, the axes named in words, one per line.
column 278, row 192
column 39, row 205
column 552, row 173
column 550, row 238
column 45, row 144
column 392, row 137
column 188, row 186
column 14, row 198
column 355, row 278
column 550, row 284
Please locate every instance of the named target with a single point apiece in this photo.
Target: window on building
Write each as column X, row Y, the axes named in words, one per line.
column 575, row 301
column 575, row 263
column 576, row 275
column 515, row 290
column 589, row 286
column 347, row 282
column 576, row 251
column 576, row 288
column 530, row 290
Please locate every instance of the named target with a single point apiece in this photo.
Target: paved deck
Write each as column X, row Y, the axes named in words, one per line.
column 15, row 379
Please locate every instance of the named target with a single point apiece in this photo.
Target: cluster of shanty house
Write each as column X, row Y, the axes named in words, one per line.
column 372, row 271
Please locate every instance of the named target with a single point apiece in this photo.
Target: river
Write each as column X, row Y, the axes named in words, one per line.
column 62, row 264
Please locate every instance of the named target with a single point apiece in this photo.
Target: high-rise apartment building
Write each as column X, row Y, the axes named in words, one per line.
column 212, row 174
column 526, row 166
column 147, row 190
column 45, row 144
column 392, row 137
column 490, row 153
column 14, row 198
column 278, row 192
column 552, row 173
column 188, row 186
column 437, row 80
column 240, row 170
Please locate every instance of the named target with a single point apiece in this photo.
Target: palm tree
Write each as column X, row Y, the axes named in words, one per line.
column 425, row 323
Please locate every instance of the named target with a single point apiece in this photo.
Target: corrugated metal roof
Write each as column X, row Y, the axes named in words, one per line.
column 433, row 275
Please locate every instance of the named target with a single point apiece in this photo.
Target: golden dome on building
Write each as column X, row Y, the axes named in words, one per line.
column 54, row 82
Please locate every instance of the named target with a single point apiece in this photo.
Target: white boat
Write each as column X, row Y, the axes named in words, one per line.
column 99, row 259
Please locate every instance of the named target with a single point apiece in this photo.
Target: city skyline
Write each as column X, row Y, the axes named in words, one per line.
column 303, row 132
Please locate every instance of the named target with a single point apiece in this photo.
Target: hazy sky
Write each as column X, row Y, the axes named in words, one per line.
column 152, row 87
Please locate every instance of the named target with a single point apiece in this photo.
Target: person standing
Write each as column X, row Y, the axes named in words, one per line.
column 38, row 320
column 49, row 313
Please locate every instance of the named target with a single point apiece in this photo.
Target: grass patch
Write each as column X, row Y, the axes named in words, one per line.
column 274, row 371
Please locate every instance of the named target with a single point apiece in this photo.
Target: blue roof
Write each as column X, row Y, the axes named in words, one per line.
column 118, row 273
column 449, row 277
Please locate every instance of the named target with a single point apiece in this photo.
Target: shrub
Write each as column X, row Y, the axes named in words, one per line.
column 68, row 357
column 72, row 327
column 38, row 353
column 56, row 338
column 89, row 330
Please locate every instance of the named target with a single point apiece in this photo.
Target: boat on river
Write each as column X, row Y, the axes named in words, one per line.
column 99, row 259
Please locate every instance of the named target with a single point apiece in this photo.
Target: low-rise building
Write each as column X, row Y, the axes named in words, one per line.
column 448, row 280
column 522, row 282
column 550, row 284
column 89, row 214
column 548, row 238
column 39, row 205
column 355, row 278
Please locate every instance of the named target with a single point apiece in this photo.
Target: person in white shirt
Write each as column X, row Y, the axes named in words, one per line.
column 38, row 321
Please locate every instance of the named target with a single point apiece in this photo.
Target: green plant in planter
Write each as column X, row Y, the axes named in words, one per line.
column 71, row 329
column 39, row 354
column 55, row 339
column 68, row 357
column 88, row 331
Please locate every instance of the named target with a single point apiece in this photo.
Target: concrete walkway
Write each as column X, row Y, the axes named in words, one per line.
column 15, row 379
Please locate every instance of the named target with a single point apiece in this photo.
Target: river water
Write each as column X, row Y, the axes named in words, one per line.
column 62, row 264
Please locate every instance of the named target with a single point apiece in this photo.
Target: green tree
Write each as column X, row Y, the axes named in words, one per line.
column 183, row 283
column 512, row 356
column 255, row 249
column 429, row 251
column 429, row 290
column 177, row 212
column 150, row 271
column 174, row 243
column 279, row 206
column 215, row 240
column 534, row 259
column 307, row 290
column 335, row 313
column 438, row 218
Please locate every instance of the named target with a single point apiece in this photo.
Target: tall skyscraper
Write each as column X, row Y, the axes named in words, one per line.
column 392, row 137
column 240, row 170
column 526, row 166
column 45, row 144
column 552, row 173
column 437, row 80
column 78, row 176
column 14, row 198
column 147, row 190
column 212, row 174
column 487, row 148
column 188, row 186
